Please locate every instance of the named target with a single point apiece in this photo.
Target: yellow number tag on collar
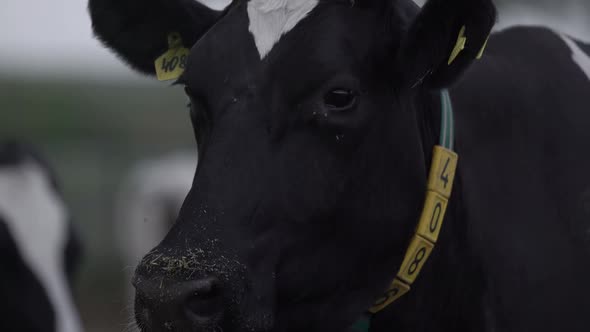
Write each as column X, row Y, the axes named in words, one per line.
column 433, row 215
column 396, row 290
column 171, row 65
column 442, row 171
column 417, row 254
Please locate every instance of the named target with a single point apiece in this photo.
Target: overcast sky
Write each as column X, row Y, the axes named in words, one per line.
column 54, row 36
column 51, row 36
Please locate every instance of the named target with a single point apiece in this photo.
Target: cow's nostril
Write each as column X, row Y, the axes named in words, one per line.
column 205, row 301
column 184, row 304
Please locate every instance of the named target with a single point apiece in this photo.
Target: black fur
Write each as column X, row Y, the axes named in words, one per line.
column 138, row 29
column 433, row 34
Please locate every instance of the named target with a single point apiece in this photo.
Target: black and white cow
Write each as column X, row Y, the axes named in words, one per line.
column 38, row 248
column 316, row 121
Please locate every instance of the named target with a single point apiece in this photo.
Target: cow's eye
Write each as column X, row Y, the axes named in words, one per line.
column 340, row 99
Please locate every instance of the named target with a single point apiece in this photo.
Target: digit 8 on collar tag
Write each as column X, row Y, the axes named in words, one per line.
column 416, row 255
column 171, row 65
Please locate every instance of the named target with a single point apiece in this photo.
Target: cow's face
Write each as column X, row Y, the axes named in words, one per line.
column 312, row 164
column 38, row 250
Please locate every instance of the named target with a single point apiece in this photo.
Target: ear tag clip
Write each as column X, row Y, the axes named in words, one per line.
column 459, row 46
column 483, row 48
column 171, row 65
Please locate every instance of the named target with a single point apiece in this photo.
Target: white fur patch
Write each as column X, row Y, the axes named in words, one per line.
column 215, row 4
column 36, row 218
column 578, row 55
column 271, row 19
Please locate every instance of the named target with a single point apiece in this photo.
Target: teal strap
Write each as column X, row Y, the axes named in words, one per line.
column 447, row 140
column 362, row 325
column 447, row 121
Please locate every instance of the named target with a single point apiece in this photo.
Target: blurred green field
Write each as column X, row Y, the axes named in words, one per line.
column 93, row 132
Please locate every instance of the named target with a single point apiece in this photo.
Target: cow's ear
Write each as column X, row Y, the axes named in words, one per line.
column 140, row 30
column 443, row 40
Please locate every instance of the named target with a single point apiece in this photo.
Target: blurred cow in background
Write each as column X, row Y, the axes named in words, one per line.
column 38, row 248
column 148, row 204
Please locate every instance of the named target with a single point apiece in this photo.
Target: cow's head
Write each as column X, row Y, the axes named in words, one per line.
column 312, row 158
column 38, row 248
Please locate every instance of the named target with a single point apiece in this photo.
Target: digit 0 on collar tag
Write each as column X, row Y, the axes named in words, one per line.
column 171, row 65
column 432, row 216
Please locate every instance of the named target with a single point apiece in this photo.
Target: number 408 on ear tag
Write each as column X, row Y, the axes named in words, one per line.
column 171, row 65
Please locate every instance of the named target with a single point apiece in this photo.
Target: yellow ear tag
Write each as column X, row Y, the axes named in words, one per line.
column 170, row 65
column 459, row 46
column 483, row 48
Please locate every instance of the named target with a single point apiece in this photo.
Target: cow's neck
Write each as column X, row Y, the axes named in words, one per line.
column 444, row 297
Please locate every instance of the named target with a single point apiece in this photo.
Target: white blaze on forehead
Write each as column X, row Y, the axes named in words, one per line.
column 270, row 19
column 578, row 55
column 215, row 4
column 36, row 218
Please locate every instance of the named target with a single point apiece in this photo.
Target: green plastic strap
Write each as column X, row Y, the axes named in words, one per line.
column 447, row 125
column 362, row 325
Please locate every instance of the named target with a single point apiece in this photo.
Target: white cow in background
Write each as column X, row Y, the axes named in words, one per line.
column 39, row 250
column 148, row 204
